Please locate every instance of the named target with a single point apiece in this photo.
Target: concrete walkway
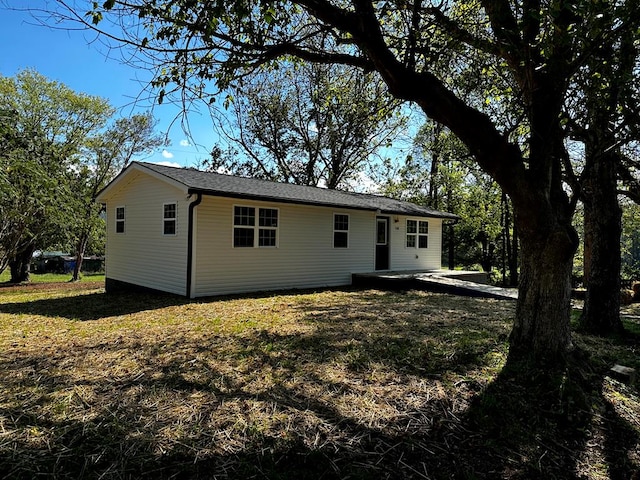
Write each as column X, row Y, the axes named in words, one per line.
column 444, row 281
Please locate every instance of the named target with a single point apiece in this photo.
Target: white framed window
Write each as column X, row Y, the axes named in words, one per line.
column 249, row 233
column 268, row 227
column 340, row 230
column 170, row 218
column 120, row 219
column 417, row 234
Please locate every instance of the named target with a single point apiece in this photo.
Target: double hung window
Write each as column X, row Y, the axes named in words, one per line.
column 169, row 218
column 249, row 231
column 340, row 230
column 120, row 219
column 417, row 234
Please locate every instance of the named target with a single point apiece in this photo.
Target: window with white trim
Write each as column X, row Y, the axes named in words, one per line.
column 249, row 233
column 169, row 218
column 267, row 227
column 417, row 234
column 340, row 230
column 120, row 219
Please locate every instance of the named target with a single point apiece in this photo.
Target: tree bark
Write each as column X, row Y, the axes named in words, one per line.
column 541, row 331
column 81, row 246
column 513, row 256
column 21, row 264
column 451, row 236
column 602, row 231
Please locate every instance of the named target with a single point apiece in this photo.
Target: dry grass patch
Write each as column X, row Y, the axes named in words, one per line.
column 335, row 384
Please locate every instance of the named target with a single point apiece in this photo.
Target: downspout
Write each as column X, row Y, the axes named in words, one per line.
column 192, row 207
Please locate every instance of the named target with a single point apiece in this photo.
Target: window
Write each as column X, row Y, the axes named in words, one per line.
column 244, row 227
column 268, row 226
column 340, row 231
column 120, row 218
column 169, row 218
column 417, row 234
column 244, row 220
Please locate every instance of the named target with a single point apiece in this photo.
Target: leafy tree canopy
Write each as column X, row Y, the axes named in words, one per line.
column 309, row 124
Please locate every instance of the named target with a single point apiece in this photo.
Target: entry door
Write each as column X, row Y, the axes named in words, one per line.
column 382, row 243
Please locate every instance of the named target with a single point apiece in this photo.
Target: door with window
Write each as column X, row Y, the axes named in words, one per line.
column 382, row 243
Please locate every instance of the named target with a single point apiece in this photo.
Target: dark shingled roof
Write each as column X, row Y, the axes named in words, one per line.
column 209, row 183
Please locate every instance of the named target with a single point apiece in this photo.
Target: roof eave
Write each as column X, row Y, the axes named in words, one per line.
column 266, row 198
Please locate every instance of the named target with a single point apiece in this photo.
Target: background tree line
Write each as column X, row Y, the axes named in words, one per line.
column 58, row 148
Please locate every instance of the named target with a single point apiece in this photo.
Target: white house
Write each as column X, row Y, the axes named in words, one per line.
column 198, row 234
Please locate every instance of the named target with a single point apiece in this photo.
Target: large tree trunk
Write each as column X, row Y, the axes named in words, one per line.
column 541, row 331
column 542, row 209
column 21, row 264
column 602, row 230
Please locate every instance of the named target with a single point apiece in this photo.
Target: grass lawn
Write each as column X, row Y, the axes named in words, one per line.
column 333, row 384
column 55, row 277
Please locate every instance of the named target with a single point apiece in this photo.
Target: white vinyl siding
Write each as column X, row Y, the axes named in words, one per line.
column 407, row 255
column 145, row 256
column 305, row 256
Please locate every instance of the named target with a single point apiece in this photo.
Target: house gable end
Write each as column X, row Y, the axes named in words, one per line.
column 129, row 175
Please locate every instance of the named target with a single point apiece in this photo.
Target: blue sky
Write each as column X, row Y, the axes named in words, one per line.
column 70, row 57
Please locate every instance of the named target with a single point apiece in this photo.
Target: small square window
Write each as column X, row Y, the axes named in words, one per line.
column 244, row 216
column 243, row 237
column 266, row 238
column 340, row 239
column 169, row 227
column 268, row 217
column 341, row 222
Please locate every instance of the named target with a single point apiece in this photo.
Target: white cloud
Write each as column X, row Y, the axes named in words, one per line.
column 167, row 154
column 185, row 143
column 169, row 164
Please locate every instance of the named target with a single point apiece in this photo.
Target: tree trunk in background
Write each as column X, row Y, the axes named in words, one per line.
column 513, row 256
column 452, row 244
column 81, row 246
column 21, row 263
column 602, row 230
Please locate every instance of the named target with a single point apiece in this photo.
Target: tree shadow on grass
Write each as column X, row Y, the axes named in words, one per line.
column 97, row 305
column 367, row 393
column 146, row 430
column 92, row 306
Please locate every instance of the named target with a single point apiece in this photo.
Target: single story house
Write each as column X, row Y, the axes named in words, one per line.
column 199, row 234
